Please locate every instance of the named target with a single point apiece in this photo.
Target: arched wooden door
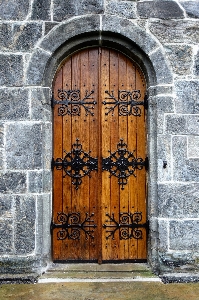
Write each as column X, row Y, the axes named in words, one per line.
column 99, row 159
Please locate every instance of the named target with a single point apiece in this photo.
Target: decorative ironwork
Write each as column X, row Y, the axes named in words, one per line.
column 76, row 164
column 127, row 103
column 71, row 226
column 122, row 163
column 71, row 102
column 127, row 225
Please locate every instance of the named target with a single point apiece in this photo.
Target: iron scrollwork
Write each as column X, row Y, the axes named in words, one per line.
column 122, row 163
column 128, row 225
column 77, row 164
column 126, row 101
column 71, row 226
column 71, row 102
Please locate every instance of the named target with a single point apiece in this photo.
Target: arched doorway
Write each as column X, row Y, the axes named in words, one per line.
column 99, row 158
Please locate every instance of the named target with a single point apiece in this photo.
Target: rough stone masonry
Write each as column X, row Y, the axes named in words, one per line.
column 166, row 33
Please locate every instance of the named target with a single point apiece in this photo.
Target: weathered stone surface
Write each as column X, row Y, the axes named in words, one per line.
column 176, row 124
column 49, row 26
column 6, row 36
column 1, row 135
column 14, row 9
column 196, row 65
column 192, row 125
column 135, row 33
column 11, row 70
column 193, row 146
column 175, row 31
column 187, row 101
column 164, row 154
column 47, row 180
column 26, row 35
column 24, row 146
column 125, row 9
column 41, row 10
column 175, row 200
column 43, row 227
column 36, row 67
column 180, row 58
column 35, row 182
column 47, row 145
column 159, row 9
column 163, row 235
column 14, row 104
column 163, row 72
column 69, row 29
column 6, row 240
column 62, row 11
column 184, row 235
column 1, row 159
column 6, row 211
column 191, row 8
column 41, row 104
column 12, row 182
column 25, row 214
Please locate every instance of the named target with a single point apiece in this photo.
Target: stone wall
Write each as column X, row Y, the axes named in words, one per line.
column 167, row 32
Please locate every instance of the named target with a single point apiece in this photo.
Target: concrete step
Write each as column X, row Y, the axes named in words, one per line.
column 98, row 273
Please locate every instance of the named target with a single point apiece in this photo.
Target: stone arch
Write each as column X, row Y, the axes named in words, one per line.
column 125, row 36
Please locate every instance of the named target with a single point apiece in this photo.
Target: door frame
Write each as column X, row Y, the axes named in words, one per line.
column 137, row 44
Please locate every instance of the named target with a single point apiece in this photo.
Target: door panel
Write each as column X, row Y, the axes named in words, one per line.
column 99, row 176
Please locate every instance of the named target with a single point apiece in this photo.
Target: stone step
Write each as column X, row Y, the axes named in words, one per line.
column 75, row 272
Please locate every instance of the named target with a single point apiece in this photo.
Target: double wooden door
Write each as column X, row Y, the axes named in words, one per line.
column 99, row 159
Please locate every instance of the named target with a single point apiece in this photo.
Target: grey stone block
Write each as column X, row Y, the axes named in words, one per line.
column 196, row 65
column 165, row 104
column 41, row 10
column 178, row 200
column 159, row 9
column 175, row 31
column 163, row 72
column 131, row 31
column 11, row 70
column 180, row 58
column 69, row 29
column 1, row 159
column 6, row 36
column 35, row 182
column 184, row 235
column 26, row 35
column 6, row 240
column 14, row 9
column 47, row 181
column 41, row 104
column 164, row 154
column 61, row 11
column 191, row 8
column 193, row 124
column 25, row 207
column 176, row 124
column 187, row 101
column 24, row 146
column 47, row 145
column 13, row 182
column 179, row 151
column 49, row 26
column 125, row 9
column 36, row 67
column 1, row 135
column 193, row 146
column 163, row 229
column 6, row 206
column 14, row 104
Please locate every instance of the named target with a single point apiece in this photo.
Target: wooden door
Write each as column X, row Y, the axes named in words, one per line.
column 99, row 159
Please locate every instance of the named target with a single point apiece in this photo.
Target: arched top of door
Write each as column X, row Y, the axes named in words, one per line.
column 96, row 30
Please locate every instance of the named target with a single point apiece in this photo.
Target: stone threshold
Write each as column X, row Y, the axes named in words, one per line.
column 98, row 273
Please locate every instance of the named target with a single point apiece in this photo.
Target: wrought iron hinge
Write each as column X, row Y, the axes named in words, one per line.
column 146, row 164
